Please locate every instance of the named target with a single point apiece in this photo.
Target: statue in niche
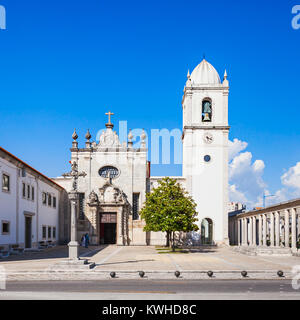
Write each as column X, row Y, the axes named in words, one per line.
column 93, row 198
column 206, row 111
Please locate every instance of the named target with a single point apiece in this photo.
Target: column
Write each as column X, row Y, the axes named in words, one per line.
column 254, row 231
column 250, row 231
column 298, row 223
column 294, row 231
column 272, row 237
column 243, row 231
column 239, row 232
column 286, row 229
column 264, row 230
column 236, row 236
column 277, row 228
column 259, row 230
column 73, row 244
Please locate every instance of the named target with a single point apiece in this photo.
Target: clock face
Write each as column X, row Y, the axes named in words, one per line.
column 208, row 137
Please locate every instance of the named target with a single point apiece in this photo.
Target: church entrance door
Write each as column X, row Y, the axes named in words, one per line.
column 108, row 228
column 110, row 233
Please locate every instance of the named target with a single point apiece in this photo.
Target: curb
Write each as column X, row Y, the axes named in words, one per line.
column 74, row 275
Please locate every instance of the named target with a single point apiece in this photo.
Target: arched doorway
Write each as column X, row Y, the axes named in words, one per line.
column 207, row 231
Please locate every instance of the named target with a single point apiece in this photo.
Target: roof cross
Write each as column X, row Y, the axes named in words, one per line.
column 109, row 114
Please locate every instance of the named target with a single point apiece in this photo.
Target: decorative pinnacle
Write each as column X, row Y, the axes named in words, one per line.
column 188, row 74
column 88, row 135
column 74, row 135
column 130, row 135
column 225, row 75
column 143, row 135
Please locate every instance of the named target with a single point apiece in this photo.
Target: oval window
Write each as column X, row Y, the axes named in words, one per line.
column 108, row 171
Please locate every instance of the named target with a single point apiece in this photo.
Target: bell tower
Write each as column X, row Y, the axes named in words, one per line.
column 205, row 149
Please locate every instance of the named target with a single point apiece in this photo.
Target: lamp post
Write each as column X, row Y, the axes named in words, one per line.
column 73, row 196
column 266, row 196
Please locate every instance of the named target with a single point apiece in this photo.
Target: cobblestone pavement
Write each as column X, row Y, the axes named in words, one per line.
column 128, row 261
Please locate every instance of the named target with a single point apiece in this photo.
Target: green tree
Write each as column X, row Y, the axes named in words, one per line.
column 169, row 208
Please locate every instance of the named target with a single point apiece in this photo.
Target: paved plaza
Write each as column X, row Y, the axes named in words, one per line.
column 155, row 262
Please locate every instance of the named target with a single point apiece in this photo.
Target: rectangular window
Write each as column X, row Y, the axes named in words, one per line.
column 28, row 192
column 81, row 205
column 49, row 199
column 24, row 190
column 44, row 232
column 135, row 206
column 5, row 227
column 44, row 198
column 32, row 193
column 5, row 183
column 54, row 202
column 49, row 232
column 54, row 232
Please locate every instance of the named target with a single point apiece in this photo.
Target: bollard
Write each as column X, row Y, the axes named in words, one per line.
column 210, row 274
column 244, row 274
column 280, row 273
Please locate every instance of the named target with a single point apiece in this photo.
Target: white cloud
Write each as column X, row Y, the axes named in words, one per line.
column 246, row 178
column 236, row 147
column 291, row 178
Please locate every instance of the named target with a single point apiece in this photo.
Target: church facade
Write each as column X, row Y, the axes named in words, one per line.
column 118, row 175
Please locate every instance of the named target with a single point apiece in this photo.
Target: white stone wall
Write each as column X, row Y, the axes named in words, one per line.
column 14, row 207
column 8, row 202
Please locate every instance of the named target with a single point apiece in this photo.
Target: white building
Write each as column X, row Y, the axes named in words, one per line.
column 118, row 175
column 29, row 204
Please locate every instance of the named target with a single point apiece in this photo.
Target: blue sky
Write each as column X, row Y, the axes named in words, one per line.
column 65, row 63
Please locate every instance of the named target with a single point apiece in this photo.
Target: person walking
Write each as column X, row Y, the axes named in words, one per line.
column 87, row 240
column 82, row 242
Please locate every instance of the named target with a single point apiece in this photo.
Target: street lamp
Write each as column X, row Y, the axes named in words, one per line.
column 266, row 196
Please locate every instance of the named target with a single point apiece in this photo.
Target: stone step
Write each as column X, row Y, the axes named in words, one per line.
column 263, row 251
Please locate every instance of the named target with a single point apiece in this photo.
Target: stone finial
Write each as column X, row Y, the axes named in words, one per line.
column 88, row 135
column 225, row 81
column 189, row 80
column 74, row 135
column 143, row 139
column 130, row 137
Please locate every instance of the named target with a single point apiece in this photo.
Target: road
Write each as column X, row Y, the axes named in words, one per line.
column 143, row 289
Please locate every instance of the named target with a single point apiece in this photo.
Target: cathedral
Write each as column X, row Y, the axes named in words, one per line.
column 117, row 178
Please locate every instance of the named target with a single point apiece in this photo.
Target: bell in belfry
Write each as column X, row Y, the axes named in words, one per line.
column 206, row 117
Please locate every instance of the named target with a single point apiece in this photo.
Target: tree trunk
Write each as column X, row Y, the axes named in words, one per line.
column 168, row 239
column 173, row 242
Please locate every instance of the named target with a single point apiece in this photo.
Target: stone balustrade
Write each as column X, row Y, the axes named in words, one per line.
column 277, row 226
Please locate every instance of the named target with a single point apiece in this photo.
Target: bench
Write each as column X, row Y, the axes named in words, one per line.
column 3, row 253
column 16, row 249
column 51, row 243
column 43, row 245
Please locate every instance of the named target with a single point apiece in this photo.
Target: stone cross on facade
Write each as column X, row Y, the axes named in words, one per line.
column 73, row 196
